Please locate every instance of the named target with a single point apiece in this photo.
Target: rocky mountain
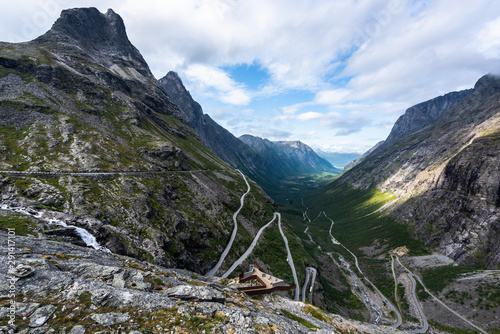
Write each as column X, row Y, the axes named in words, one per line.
column 424, row 114
column 442, row 162
column 215, row 137
column 86, row 129
column 63, row 288
column 263, row 160
column 287, row 157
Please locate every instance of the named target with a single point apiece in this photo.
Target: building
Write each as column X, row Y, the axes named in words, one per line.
column 266, row 283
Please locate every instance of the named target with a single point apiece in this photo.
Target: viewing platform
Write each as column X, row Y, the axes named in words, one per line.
column 267, row 283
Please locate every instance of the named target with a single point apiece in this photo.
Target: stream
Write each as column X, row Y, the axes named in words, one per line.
column 86, row 237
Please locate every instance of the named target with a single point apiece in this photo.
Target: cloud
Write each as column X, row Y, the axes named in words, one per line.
column 309, row 116
column 354, row 65
column 333, row 96
column 346, row 125
column 216, row 82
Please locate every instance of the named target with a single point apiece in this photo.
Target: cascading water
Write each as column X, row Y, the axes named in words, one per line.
column 86, row 237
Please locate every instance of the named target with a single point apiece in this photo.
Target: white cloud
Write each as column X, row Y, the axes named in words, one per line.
column 216, row 82
column 309, row 116
column 331, row 96
column 488, row 40
column 361, row 63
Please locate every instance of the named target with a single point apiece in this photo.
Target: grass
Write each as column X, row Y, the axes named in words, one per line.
column 356, row 225
column 437, row 278
column 449, row 329
column 22, row 226
column 298, row 319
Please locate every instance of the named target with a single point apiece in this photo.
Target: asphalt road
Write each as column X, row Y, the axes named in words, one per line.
column 391, row 306
column 309, row 271
column 412, row 275
column 250, row 249
column 290, row 260
column 233, row 235
column 425, row 326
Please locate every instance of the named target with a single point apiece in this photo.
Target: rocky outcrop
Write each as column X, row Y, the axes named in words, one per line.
column 424, row 114
column 101, row 37
column 73, row 290
column 446, row 174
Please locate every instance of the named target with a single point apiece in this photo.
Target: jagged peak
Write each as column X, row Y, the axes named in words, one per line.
column 100, row 36
column 85, row 25
column 173, row 84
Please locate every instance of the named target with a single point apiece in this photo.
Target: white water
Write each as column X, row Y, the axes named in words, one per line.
column 88, row 238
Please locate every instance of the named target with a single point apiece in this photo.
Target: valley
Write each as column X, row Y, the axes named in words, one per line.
column 134, row 211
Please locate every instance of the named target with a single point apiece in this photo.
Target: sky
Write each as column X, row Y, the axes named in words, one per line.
column 334, row 74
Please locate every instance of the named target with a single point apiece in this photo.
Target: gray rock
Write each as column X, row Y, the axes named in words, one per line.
column 119, row 279
column 25, row 309
column 108, row 319
column 41, row 330
column 195, row 293
column 78, row 329
column 41, row 315
column 136, row 282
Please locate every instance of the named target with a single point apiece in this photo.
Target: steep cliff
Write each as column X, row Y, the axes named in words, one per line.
column 215, row 137
column 86, row 129
column 445, row 173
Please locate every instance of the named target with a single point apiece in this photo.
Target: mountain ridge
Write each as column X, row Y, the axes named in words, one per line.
column 266, row 162
column 445, row 175
column 135, row 173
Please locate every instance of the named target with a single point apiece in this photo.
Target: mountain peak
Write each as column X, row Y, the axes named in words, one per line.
column 175, row 89
column 83, row 26
column 101, row 36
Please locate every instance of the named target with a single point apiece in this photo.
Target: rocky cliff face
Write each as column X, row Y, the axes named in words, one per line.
column 446, row 175
column 100, row 37
column 424, row 114
column 97, row 138
column 214, row 136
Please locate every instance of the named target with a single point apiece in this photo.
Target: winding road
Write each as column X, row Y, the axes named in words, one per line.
column 235, row 230
column 290, row 260
column 309, row 271
column 413, row 277
column 250, row 249
column 385, row 299
column 425, row 325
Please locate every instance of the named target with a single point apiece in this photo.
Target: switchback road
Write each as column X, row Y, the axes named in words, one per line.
column 250, row 249
column 290, row 260
column 412, row 275
column 391, row 306
column 309, row 271
column 235, row 230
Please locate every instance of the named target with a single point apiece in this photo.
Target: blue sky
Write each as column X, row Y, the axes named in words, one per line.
column 335, row 74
